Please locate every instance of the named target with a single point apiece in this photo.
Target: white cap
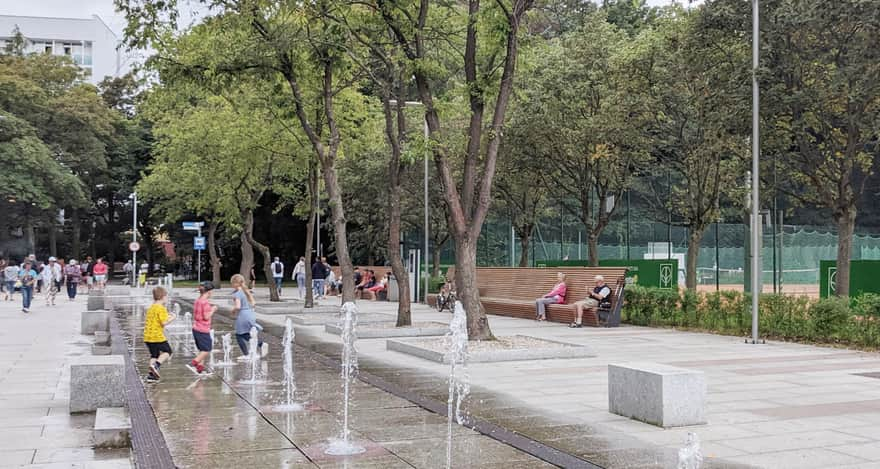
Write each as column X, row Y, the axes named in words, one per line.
column 52, row 259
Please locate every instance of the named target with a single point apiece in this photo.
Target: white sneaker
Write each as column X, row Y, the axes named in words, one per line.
column 193, row 369
column 264, row 350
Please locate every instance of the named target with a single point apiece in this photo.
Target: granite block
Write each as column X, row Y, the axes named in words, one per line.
column 112, row 428
column 661, row 395
column 97, row 381
column 94, row 320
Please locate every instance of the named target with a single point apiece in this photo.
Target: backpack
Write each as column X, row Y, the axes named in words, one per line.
column 277, row 267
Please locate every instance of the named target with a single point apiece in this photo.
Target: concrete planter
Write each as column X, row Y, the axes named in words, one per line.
column 319, row 319
column 551, row 349
column 366, row 332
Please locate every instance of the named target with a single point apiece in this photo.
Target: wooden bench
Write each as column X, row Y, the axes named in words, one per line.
column 512, row 292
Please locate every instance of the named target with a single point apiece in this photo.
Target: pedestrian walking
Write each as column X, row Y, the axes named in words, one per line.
column 10, row 274
column 100, row 272
column 27, row 277
column 51, row 275
column 278, row 274
column 319, row 275
column 245, row 317
column 299, row 274
column 72, row 278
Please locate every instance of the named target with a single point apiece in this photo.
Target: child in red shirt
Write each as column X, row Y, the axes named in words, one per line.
column 203, row 310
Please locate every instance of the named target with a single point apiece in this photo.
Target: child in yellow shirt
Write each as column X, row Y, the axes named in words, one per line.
column 156, row 318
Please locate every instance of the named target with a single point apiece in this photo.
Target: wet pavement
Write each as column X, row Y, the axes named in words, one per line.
column 36, row 429
column 220, row 422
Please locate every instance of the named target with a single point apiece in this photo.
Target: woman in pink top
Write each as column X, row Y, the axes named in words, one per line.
column 556, row 296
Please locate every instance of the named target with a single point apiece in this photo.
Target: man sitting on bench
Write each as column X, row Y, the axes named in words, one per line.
column 598, row 297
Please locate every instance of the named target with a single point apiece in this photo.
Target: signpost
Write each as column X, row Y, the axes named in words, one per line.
column 198, row 243
column 134, row 246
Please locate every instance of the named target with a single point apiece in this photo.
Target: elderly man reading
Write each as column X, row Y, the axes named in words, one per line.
column 598, row 296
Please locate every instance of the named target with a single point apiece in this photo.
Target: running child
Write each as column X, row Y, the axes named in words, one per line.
column 203, row 310
column 245, row 316
column 156, row 318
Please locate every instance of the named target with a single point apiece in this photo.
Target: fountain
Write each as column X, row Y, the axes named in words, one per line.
column 343, row 446
column 227, row 352
column 456, row 341
column 289, row 377
column 690, row 456
column 211, row 355
column 254, row 358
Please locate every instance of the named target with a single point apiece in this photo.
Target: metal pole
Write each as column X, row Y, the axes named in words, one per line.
column 199, row 262
column 717, row 260
column 512, row 245
column 134, row 238
column 668, row 215
column 627, row 224
column 427, row 277
column 756, row 148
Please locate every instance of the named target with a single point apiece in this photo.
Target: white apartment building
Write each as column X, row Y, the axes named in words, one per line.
column 88, row 41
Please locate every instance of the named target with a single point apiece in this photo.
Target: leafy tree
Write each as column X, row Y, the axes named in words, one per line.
column 699, row 91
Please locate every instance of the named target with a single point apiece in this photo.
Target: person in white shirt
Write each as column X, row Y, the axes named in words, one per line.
column 51, row 275
column 299, row 274
column 128, row 269
column 278, row 274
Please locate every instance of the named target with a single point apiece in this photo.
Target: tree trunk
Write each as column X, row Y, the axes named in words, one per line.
column 693, row 254
column 404, row 313
column 53, row 239
column 846, row 221
column 247, row 256
column 339, row 229
column 435, row 260
column 468, row 292
column 310, row 231
column 524, row 241
column 30, row 236
column 212, row 253
column 76, row 226
column 264, row 251
column 592, row 247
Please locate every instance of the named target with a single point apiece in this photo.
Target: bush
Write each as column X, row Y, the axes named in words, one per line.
column 781, row 316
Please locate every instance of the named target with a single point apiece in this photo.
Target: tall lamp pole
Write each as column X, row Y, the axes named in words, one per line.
column 756, row 180
column 134, row 239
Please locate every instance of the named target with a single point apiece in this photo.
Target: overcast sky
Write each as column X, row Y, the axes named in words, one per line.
column 87, row 8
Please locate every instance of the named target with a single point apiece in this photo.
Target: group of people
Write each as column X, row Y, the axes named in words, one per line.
column 157, row 317
column 598, row 296
column 326, row 282
column 32, row 276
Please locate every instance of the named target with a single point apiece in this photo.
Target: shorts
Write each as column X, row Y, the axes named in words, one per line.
column 88, row 280
column 203, row 341
column 100, row 278
column 157, row 348
column 588, row 303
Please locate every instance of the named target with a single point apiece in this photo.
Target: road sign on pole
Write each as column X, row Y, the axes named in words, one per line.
column 134, row 246
column 199, row 243
column 193, row 225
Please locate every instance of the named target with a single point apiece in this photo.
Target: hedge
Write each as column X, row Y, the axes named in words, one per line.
column 853, row 322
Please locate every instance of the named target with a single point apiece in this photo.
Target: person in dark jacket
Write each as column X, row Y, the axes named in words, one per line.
column 319, row 275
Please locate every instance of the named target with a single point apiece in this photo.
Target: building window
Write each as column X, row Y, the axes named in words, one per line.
column 68, row 48
column 87, row 53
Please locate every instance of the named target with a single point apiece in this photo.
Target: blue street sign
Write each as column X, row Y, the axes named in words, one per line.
column 193, row 225
column 199, row 243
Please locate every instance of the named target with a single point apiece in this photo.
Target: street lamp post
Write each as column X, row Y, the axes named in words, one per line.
column 756, row 149
column 134, row 235
column 427, row 136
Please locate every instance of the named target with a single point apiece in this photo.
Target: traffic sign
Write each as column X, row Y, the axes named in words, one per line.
column 199, row 243
column 134, row 246
column 193, row 225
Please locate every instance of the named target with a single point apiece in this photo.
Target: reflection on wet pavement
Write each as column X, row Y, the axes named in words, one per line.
column 218, row 422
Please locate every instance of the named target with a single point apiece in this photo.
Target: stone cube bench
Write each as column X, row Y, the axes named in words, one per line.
column 112, row 428
column 661, row 395
column 95, row 300
column 97, row 381
column 93, row 321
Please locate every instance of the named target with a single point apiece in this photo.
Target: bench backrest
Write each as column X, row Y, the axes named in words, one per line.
column 526, row 284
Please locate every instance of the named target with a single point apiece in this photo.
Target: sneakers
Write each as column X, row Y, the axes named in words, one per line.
column 264, row 350
column 194, row 367
column 151, row 378
column 575, row 325
column 154, row 369
column 25, row 310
